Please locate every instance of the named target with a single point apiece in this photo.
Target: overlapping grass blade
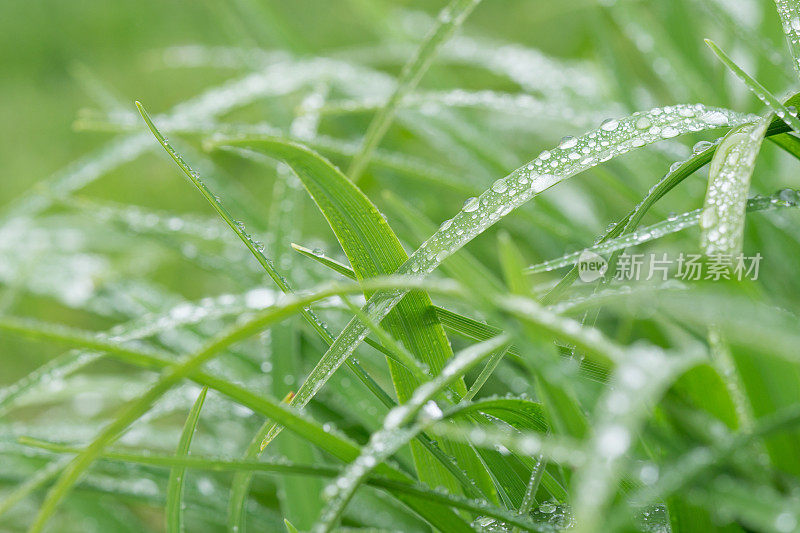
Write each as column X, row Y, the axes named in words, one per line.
column 285, row 221
column 757, row 89
column 640, row 380
column 789, row 11
column 675, row 223
column 571, row 157
column 396, row 431
column 174, row 510
column 373, row 249
column 450, row 18
column 169, row 378
column 722, row 219
column 199, row 462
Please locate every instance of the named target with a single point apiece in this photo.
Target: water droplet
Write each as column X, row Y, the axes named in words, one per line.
column 470, row 205
column 547, row 507
column 701, row 146
column 500, row 186
column 669, row 132
column 609, row 124
column 790, row 196
column 568, row 142
column 643, row 123
column 708, row 218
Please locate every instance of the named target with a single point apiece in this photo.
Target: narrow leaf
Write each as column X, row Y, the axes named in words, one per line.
column 174, row 510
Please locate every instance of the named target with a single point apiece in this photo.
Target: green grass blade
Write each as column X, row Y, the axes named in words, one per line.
column 789, row 12
column 486, row 373
column 382, row 481
column 450, row 18
column 395, row 433
column 320, row 257
column 255, row 249
column 373, row 249
column 289, row 527
column 639, row 381
column 174, row 509
column 676, row 223
column 613, row 139
column 722, row 219
column 757, row 89
column 285, row 220
column 169, row 378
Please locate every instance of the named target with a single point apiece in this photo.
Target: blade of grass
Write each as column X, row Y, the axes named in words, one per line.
column 780, row 199
column 789, row 12
column 450, row 18
column 639, row 381
column 285, row 220
column 722, row 219
column 373, row 249
column 174, row 508
column 170, row 377
column 396, row 433
column 757, row 89
column 255, row 249
column 615, row 138
column 389, row 484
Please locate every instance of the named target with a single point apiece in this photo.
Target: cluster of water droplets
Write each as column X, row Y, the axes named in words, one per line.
column 722, row 219
column 573, row 155
column 672, row 224
column 791, row 26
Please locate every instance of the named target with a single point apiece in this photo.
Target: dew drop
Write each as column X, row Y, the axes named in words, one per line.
column 669, row 132
column 470, row 205
column 609, row 124
column 701, row 146
column 500, row 186
column 568, row 142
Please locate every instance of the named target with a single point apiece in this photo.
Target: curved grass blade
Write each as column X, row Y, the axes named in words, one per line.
column 381, row 481
column 639, row 380
column 789, row 11
column 722, row 220
column 174, row 509
column 518, row 413
column 450, row 18
column 256, row 250
column 458, row 323
column 188, row 367
column 373, row 249
column 674, row 224
column 395, row 432
column 757, row 89
column 573, row 155
column 286, row 220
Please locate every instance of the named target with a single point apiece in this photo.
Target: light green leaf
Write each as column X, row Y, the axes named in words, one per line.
column 450, row 18
column 789, row 11
column 174, row 510
column 722, row 219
